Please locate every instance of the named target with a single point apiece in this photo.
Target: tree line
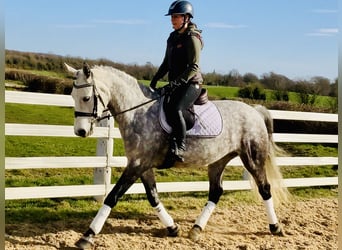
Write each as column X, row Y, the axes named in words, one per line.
column 317, row 85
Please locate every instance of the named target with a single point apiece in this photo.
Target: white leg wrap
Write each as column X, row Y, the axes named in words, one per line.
column 271, row 215
column 100, row 218
column 165, row 218
column 205, row 215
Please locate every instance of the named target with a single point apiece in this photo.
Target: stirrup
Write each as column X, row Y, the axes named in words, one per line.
column 175, row 153
column 169, row 161
column 178, row 154
column 180, row 148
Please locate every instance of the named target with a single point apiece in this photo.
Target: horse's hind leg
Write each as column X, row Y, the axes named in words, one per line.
column 149, row 182
column 215, row 171
column 254, row 159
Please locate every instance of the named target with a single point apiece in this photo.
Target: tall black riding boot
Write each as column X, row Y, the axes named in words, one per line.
column 175, row 153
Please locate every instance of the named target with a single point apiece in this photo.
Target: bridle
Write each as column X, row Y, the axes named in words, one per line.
column 97, row 97
column 94, row 115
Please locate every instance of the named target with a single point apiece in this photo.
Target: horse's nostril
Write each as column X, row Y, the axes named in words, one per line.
column 81, row 132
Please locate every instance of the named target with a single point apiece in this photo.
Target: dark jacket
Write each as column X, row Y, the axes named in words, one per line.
column 182, row 56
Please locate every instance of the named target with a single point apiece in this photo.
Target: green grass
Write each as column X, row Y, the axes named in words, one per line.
column 222, row 93
column 38, row 114
column 33, row 146
column 47, row 210
column 307, row 149
column 51, row 177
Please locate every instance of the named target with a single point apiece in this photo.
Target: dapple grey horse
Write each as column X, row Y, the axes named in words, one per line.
column 247, row 133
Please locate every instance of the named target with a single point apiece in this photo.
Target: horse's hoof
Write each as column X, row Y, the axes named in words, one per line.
column 276, row 229
column 194, row 233
column 173, row 231
column 86, row 242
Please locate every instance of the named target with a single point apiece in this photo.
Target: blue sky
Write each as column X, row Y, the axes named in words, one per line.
column 295, row 38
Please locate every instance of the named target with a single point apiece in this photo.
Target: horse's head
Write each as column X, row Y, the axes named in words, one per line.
column 88, row 103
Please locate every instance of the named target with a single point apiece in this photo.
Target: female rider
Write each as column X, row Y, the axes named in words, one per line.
column 181, row 62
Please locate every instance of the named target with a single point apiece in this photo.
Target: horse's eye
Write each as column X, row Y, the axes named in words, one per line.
column 86, row 98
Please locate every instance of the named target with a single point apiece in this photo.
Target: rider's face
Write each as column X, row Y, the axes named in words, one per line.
column 177, row 21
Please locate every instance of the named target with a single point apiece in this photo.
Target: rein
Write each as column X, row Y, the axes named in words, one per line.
column 127, row 110
column 98, row 97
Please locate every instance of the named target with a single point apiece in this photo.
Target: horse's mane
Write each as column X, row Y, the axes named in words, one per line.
column 121, row 74
column 124, row 77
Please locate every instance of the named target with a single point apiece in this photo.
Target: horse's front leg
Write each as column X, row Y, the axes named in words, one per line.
column 215, row 171
column 128, row 177
column 148, row 179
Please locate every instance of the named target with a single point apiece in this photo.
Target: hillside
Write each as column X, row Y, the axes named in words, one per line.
column 39, row 72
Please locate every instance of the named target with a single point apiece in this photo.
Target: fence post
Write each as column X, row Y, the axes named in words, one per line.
column 104, row 148
column 246, row 175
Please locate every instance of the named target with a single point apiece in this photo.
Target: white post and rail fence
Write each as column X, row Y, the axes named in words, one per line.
column 104, row 161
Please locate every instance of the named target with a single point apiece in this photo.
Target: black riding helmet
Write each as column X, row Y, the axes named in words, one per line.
column 181, row 7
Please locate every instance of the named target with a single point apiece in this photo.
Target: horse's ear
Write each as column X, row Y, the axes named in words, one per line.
column 70, row 69
column 86, row 69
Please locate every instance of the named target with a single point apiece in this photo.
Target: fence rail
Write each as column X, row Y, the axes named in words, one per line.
column 109, row 133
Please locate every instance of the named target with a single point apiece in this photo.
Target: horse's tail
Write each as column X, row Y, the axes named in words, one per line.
column 279, row 191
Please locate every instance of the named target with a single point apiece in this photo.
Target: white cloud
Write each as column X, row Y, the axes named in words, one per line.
column 94, row 23
column 324, row 32
column 75, row 26
column 121, row 21
column 324, row 11
column 329, row 30
column 225, row 26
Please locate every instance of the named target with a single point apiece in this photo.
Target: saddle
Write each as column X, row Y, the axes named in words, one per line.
column 203, row 97
column 203, row 119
